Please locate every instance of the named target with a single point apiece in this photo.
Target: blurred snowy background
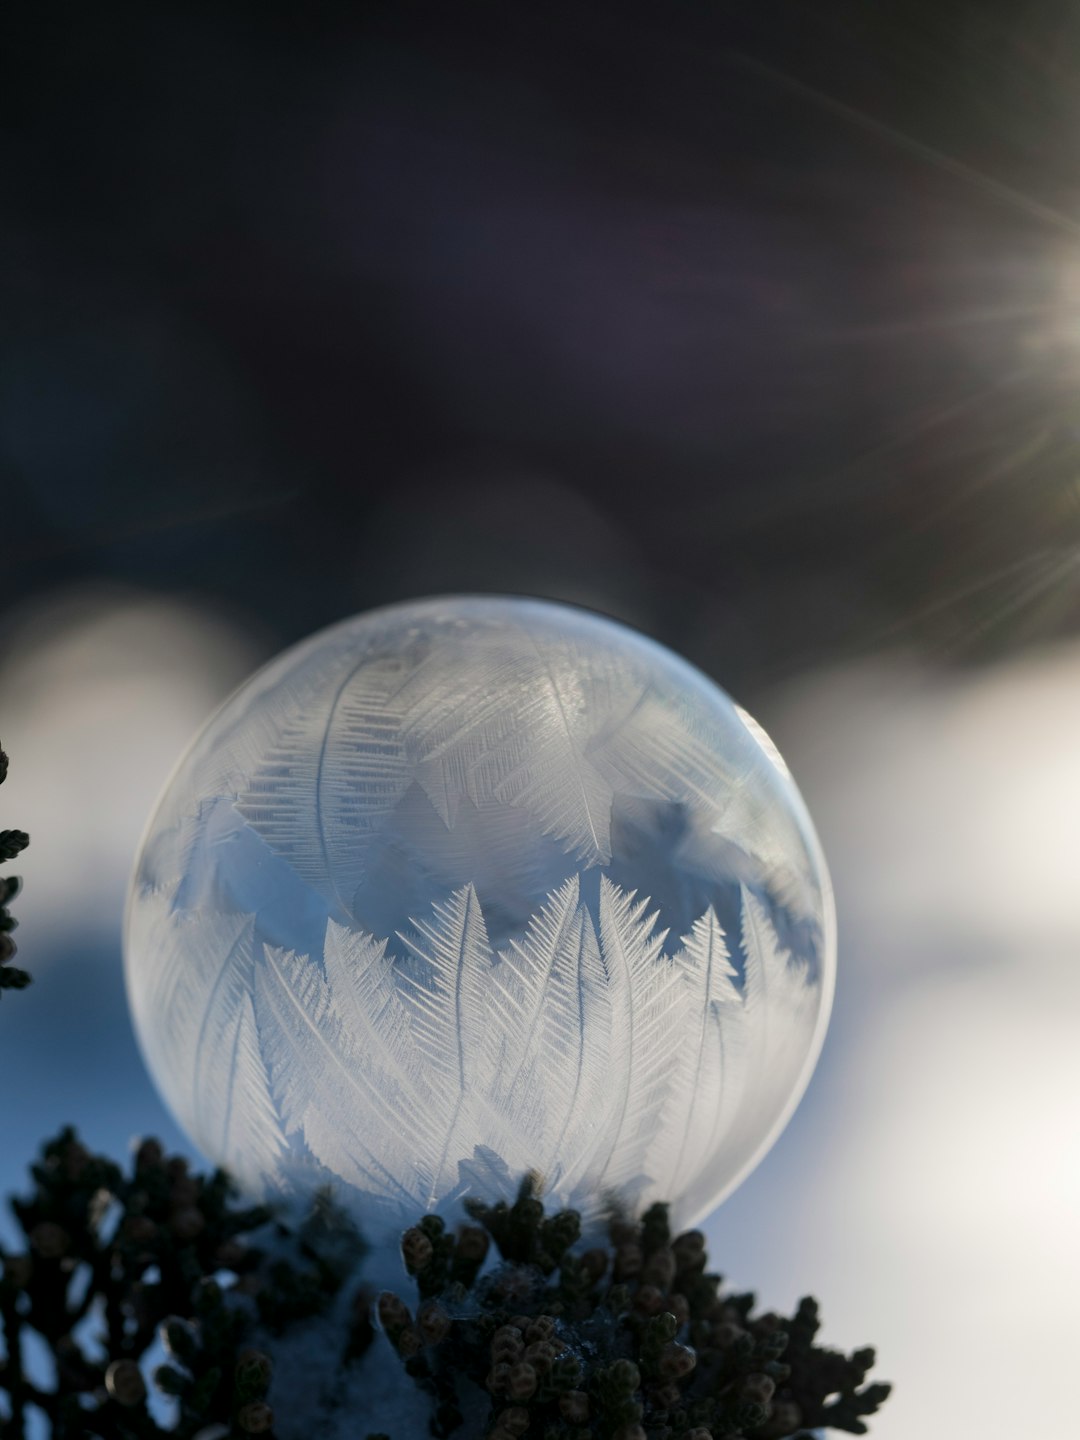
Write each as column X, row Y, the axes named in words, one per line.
column 756, row 326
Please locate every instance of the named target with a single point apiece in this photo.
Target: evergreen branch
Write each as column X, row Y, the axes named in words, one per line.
column 635, row 1340
column 12, row 843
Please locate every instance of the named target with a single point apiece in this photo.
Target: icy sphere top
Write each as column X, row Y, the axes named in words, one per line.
column 467, row 887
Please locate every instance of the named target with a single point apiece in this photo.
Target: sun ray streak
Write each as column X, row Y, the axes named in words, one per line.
column 1026, row 204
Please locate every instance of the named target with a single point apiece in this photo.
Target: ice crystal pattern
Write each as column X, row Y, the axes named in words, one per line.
column 468, row 887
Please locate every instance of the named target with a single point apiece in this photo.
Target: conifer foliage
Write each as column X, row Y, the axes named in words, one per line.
column 635, row 1340
column 12, row 843
column 153, row 1280
column 117, row 1268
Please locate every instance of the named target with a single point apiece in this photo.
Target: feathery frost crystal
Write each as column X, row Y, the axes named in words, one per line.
column 467, row 887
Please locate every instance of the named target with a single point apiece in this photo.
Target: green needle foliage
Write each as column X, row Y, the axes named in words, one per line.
column 116, row 1263
column 515, row 1331
column 12, row 843
column 632, row 1341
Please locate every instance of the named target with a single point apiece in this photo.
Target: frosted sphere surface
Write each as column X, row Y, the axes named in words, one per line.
column 467, row 887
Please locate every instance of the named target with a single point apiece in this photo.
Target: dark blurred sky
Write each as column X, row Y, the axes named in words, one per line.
column 754, row 323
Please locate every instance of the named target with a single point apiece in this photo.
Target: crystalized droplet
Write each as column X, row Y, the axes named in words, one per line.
column 467, row 887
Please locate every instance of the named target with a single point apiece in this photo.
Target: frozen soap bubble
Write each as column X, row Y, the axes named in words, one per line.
column 469, row 887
